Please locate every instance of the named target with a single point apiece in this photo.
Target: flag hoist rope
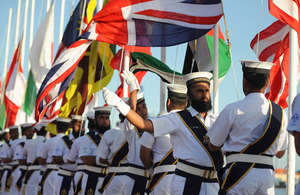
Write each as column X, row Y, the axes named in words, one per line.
column 229, row 47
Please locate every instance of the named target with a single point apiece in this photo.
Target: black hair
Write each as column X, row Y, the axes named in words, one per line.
column 42, row 131
column 255, row 80
column 62, row 127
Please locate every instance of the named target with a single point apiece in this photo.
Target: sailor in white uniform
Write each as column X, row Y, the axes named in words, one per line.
column 60, row 153
column 294, row 129
column 93, row 173
column 46, row 157
column 27, row 130
column 32, row 177
column 15, row 155
column 137, row 176
column 5, row 136
column 196, row 167
column 163, row 160
column 113, row 151
column 251, row 132
column 6, row 159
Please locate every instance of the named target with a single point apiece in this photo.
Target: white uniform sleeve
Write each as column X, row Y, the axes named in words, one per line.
column 147, row 140
column 160, row 123
column 43, row 153
column 25, row 149
column 84, row 147
column 5, row 151
column 283, row 137
column 294, row 123
column 103, row 149
column 72, row 156
column 58, row 149
column 127, row 128
column 219, row 131
column 18, row 153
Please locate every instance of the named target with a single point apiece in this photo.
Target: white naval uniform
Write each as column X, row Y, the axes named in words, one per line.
column 134, row 146
column 294, row 125
column 61, row 149
column 46, row 152
column 88, row 148
column 18, row 155
column 73, row 156
column 240, row 124
column 185, row 147
column 15, row 155
column 5, row 153
column 111, row 141
column 30, row 150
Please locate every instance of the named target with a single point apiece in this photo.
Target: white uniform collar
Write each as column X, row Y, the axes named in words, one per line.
column 256, row 95
column 195, row 112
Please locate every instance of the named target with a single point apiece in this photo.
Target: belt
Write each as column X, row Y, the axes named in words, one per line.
column 164, row 168
column 250, row 158
column 34, row 167
column 94, row 169
column 118, row 169
column 7, row 167
column 65, row 172
column 207, row 174
column 23, row 167
column 138, row 171
column 52, row 166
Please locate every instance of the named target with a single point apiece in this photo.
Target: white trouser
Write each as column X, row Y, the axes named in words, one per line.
column 163, row 187
column 256, row 182
column 178, row 183
column 32, row 185
column 49, row 185
column 115, row 186
column 128, row 185
column 15, row 176
column 77, row 176
column 3, row 179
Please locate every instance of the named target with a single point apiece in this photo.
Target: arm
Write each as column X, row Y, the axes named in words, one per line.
column 6, row 160
column 89, row 160
column 103, row 161
column 22, row 161
column 42, row 161
column 58, row 160
column 146, row 157
column 297, row 142
column 279, row 154
column 213, row 147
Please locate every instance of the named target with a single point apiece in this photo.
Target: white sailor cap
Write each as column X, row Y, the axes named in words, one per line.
column 177, row 90
column 91, row 114
column 140, row 98
column 63, row 120
column 25, row 125
column 13, row 127
column 78, row 118
column 102, row 110
column 252, row 66
column 6, row 130
column 39, row 126
column 197, row 77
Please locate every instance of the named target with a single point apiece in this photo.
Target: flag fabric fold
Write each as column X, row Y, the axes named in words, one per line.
column 40, row 56
column 15, row 90
column 199, row 55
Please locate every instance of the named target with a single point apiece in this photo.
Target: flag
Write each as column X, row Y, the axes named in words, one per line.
column 199, row 55
column 153, row 23
column 145, row 62
column 14, row 90
column 286, row 11
column 273, row 46
column 163, row 23
column 40, row 57
column 58, row 78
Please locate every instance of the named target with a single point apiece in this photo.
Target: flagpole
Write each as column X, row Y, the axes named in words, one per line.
column 6, row 56
column 17, row 24
column 162, row 84
column 292, row 93
column 61, row 21
column 24, row 33
column 48, row 5
column 126, row 67
column 31, row 29
column 216, row 71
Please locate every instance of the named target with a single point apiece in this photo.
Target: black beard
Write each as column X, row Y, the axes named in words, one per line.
column 102, row 129
column 201, row 106
column 77, row 134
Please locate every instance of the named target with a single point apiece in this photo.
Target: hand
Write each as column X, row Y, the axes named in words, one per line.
column 131, row 80
column 112, row 99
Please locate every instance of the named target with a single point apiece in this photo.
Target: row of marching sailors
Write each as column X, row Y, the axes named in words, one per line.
column 102, row 161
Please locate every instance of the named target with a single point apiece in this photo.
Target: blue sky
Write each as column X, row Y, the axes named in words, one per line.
column 242, row 19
